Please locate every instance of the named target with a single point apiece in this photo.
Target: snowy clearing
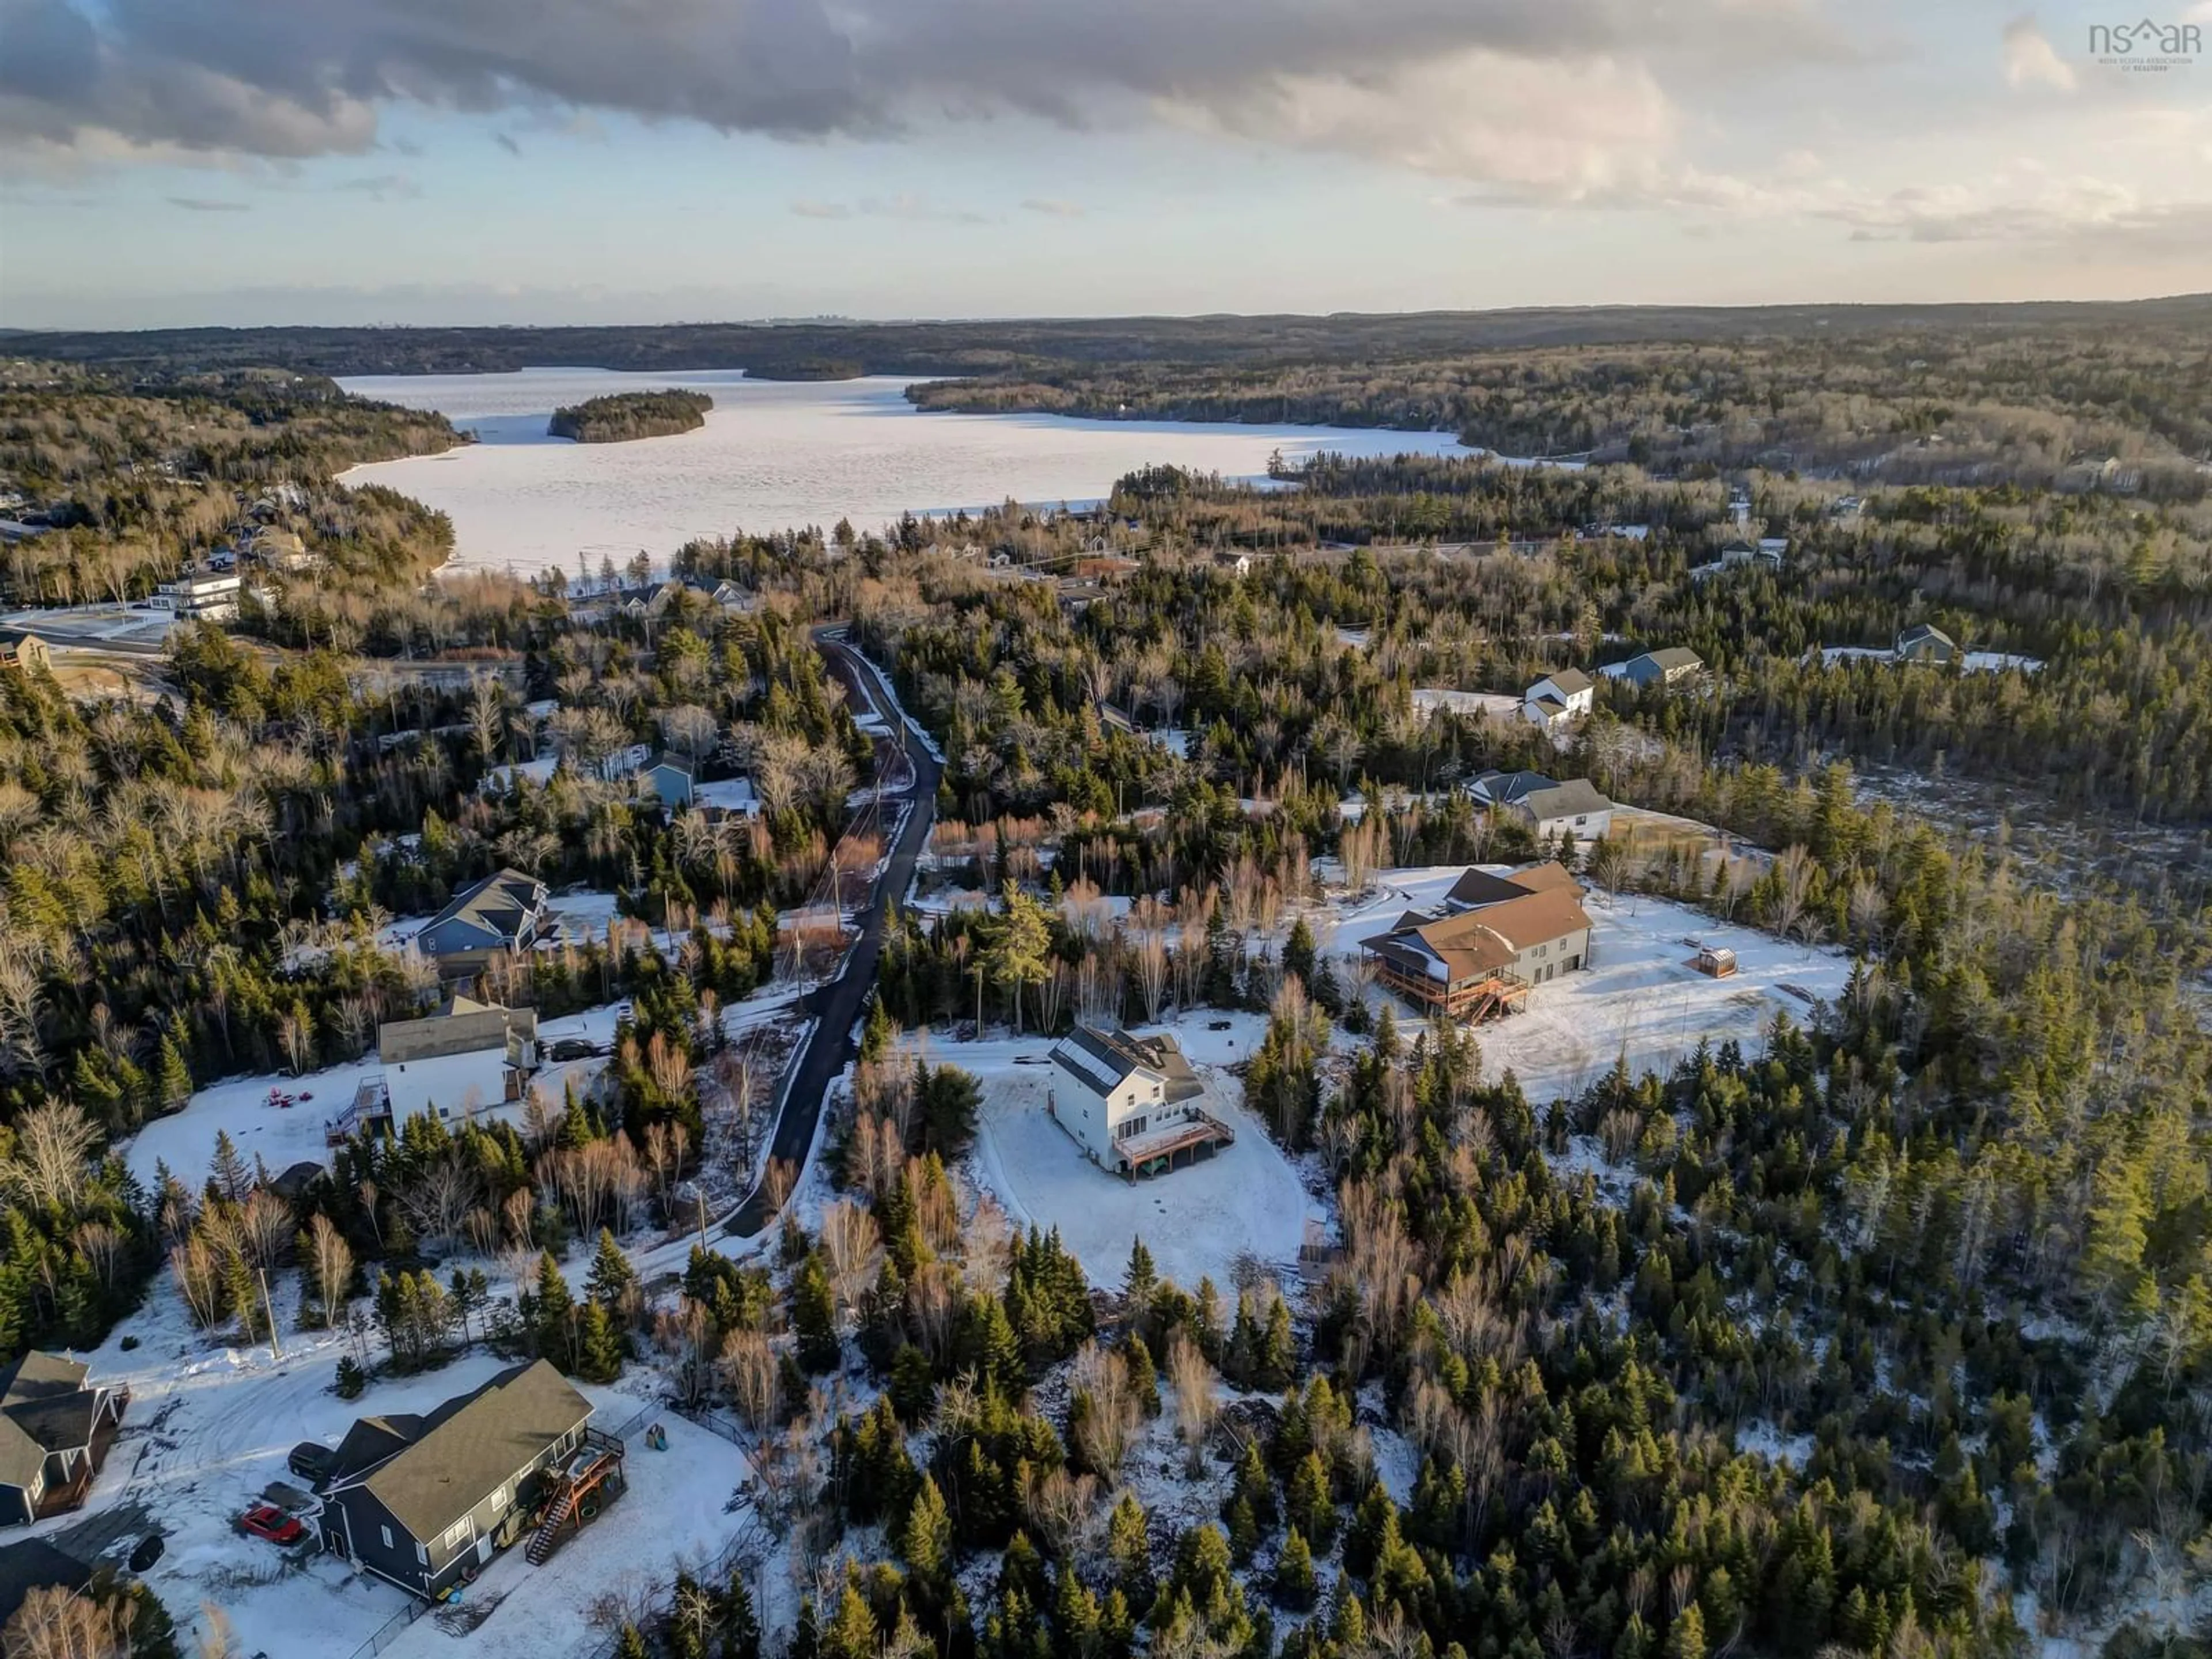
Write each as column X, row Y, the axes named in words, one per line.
column 1196, row 1221
column 1640, row 997
column 1974, row 662
column 1481, row 705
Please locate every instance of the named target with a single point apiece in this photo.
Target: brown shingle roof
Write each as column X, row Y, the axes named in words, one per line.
column 1489, row 939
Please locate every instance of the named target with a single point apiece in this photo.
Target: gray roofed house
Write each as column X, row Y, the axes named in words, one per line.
column 1133, row 1103
column 21, row 649
column 56, row 1425
column 1504, row 788
column 1575, row 804
column 1925, row 642
column 424, row 1501
column 500, row 916
column 1668, row 666
column 1114, row 1057
column 35, row 1564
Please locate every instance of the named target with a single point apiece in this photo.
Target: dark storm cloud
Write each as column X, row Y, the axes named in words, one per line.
column 309, row 76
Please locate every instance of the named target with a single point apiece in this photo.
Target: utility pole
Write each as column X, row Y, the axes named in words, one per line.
column 276, row 1347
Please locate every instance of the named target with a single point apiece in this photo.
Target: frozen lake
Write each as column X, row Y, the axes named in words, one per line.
column 774, row 455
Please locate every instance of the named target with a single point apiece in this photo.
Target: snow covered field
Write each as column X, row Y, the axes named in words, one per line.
column 1195, row 1221
column 282, row 1135
column 1640, row 997
column 1489, row 705
column 1974, row 662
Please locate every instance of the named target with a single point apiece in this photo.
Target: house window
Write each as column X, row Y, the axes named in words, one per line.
column 456, row 1535
column 499, row 1500
column 387, row 1531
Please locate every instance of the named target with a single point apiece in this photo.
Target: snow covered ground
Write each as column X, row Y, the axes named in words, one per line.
column 1195, row 1221
column 729, row 794
column 1974, row 662
column 282, row 1135
column 1642, row 999
column 1492, row 705
column 1640, row 996
column 209, row 1427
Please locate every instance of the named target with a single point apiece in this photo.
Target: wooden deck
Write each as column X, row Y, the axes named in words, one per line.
column 1487, row 999
column 1156, row 1153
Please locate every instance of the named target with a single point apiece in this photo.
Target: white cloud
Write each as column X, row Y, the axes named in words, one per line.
column 1554, row 129
column 913, row 209
column 2030, row 59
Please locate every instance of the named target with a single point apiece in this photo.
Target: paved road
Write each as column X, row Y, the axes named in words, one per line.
column 836, row 1005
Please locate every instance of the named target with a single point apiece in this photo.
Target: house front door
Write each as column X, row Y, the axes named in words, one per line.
column 483, row 1548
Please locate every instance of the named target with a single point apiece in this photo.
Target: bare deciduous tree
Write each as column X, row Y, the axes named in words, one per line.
column 330, row 1261
column 751, row 1373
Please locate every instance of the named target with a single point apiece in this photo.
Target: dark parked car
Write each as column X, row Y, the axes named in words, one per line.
column 147, row 1552
column 311, row 1461
column 573, row 1048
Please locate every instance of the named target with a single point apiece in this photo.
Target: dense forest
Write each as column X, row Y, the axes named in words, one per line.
column 2059, row 411
column 621, row 416
column 130, row 482
column 1393, row 343
column 1885, row 1333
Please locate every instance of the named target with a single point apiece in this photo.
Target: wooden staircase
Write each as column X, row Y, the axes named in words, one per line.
column 549, row 1529
column 600, row 1457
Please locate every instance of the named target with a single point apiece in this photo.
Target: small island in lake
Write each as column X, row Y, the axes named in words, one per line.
column 621, row 415
column 808, row 368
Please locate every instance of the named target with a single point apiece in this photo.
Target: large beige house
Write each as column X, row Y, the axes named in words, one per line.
column 1498, row 936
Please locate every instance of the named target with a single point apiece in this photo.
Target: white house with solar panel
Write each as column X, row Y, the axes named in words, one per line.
column 1133, row 1103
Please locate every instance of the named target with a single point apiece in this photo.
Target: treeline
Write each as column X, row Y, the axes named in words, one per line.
column 954, row 347
column 621, row 416
column 1906, row 407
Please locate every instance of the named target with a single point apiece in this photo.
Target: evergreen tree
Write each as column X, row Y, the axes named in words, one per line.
column 814, row 1316
column 1140, row 1280
column 552, row 1314
column 852, row 1634
column 740, row 1629
column 175, row 1073
column 1294, row 1573
column 599, row 1346
column 229, row 1171
column 611, row 1275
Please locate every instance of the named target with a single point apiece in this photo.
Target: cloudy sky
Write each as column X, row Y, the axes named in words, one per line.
column 179, row 161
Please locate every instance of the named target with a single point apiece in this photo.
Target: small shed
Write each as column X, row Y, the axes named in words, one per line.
column 1715, row 960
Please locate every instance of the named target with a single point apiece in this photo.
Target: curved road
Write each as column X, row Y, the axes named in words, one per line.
column 836, row 1004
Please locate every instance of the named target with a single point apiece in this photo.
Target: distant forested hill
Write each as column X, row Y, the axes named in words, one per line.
column 621, row 415
column 777, row 351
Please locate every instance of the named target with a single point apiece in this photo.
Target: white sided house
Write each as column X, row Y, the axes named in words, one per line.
column 1133, row 1103
column 468, row 1057
column 1558, row 699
